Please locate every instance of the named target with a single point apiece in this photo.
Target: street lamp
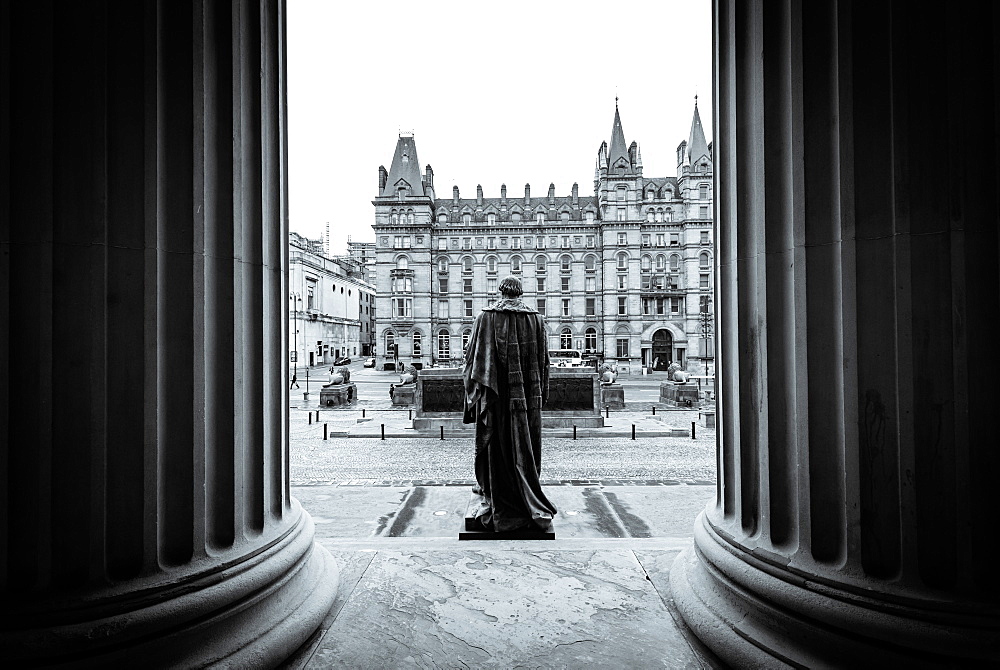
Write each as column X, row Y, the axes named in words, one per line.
column 295, row 298
column 706, row 325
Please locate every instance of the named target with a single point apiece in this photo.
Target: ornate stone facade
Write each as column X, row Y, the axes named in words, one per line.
column 620, row 275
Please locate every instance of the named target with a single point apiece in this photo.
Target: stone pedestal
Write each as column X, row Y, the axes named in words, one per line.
column 404, row 395
column 856, row 343
column 339, row 394
column 149, row 522
column 613, row 396
column 679, row 395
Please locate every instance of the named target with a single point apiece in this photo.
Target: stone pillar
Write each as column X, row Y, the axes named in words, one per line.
column 146, row 515
column 857, row 235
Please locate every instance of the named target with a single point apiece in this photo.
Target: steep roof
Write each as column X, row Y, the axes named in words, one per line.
column 696, row 145
column 583, row 202
column 405, row 169
column 618, row 147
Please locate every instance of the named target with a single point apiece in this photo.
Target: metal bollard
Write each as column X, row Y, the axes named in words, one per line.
column 633, row 431
column 574, row 432
column 409, row 413
column 607, row 411
column 310, row 417
column 362, row 412
column 692, row 430
column 654, row 410
column 383, row 431
column 324, row 431
column 442, row 432
column 317, row 416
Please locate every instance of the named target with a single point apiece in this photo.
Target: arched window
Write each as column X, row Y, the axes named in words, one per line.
column 444, row 345
column 703, row 191
column 668, row 194
column 645, row 263
column 416, row 343
column 703, row 261
column 540, row 218
column 442, row 218
column 515, row 263
column 668, row 215
column 466, row 336
column 402, row 263
column 661, row 262
column 659, row 215
column 649, row 194
column 540, row 262
column 590, row 339
column 409, row 216
column 467, row 264
column 564, row 262
column 649, row 216
column 491, row 264
column 394, row 218
column 590, row 262
column 566, row 339
column 675, row 262
column 622, row 261
column 442, row 263
column 390, row 344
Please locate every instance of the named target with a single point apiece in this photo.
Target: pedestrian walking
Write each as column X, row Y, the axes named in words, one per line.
column 295, row 382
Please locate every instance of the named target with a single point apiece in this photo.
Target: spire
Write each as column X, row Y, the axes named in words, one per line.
column 696, row 144
column 618, row 147
column 405, row 171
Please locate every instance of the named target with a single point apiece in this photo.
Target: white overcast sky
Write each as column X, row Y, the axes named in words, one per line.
column 505, row 92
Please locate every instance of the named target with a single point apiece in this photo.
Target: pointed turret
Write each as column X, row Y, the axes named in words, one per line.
column 404, row 175
column 619, row 150
column 697, row 147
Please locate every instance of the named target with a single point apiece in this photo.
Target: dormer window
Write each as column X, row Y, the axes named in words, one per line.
column 540, row 218
column 467, row 219
column 491, row 219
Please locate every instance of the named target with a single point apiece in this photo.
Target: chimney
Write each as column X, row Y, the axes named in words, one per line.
column 527, row 194
column 503, row 191
column 383, row 177
column 552, row 194
column 576, row 194
column 454, row 196
column 479, row 195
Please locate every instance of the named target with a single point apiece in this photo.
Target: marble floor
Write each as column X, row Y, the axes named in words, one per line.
column 596, row 597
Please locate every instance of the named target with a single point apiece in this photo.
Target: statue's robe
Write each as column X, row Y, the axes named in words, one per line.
column 506, row 382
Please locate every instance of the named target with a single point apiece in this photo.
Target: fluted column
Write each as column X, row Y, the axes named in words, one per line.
column 146, row 515
column 857, row 235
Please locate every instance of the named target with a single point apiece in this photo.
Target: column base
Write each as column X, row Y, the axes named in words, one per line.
column 253, row 612
column 756, row 614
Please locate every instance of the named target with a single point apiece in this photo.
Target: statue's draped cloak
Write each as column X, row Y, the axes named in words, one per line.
column 506, row 382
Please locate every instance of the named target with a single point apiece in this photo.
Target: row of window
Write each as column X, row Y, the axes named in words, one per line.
column 491, row 218
column 540, row 242
column 444, row 342
column 565, row 263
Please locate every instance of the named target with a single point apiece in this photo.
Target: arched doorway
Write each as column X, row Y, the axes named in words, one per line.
column 663, row 346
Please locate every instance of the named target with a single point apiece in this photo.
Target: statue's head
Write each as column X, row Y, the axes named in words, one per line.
column 510, row 287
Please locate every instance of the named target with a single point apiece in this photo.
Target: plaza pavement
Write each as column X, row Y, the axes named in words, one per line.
column 413, row 595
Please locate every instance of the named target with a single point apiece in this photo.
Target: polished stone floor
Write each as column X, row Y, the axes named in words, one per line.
column 413, row 596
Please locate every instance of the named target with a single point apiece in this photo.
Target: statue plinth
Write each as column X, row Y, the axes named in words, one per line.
column 338, row 394
column 613, row 396
column 679, row 394
column 404, row 394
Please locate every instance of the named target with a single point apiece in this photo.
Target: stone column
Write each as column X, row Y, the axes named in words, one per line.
column 858, row 368
column 146, row 515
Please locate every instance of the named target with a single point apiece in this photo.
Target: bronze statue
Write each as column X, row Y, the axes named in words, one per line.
column 506, row 381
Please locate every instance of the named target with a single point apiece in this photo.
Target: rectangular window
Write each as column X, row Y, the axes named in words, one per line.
column 540, row 284
column 676, row 305
column 491, row 285
column 443, row 284
column 621, row 281
column 565, row 241
column 704, row 237
column 491, row 219
column 515, row 242
column 442, row 309
column 645, row 305
column 444, row 346
column 622, row 306
column 401, row 308
column 622, row 239
column 541, row 242
column 621, row 214
column 590, row 306
column 703, row 281
column 622, row 347
column 468, row 309
column 674, row 239
column 590, row 284
column 564, row 287
column 491, row 243
column 590, row 217
column 659, row 305
column 467, row 285
column 565, row 306
column 659, row 240
column 466, row 242
column 540, row 305
column 311, row 294
column 703, row 212
column 590, row 241
column 645, row 240
column 442, row 243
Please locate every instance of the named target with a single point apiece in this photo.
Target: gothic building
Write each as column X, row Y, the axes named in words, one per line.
column 622, row 275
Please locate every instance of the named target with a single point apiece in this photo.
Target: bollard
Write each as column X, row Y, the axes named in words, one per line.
column 383, row 431
column 574, row 432
column 310, row 417
column 409, row 413
column 654, row 410
column 324, row 431
column 692, row 430
column 362, row 412
column 317, row 416
column 442, row 432
column 607, row 411
column 633, row 431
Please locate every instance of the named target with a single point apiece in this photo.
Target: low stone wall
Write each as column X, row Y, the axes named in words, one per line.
column 574, row 399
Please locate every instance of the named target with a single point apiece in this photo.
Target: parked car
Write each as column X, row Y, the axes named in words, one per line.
column 369, row 362
column 343, row 360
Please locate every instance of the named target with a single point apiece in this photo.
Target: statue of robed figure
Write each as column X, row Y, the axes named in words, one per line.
column 506, row 381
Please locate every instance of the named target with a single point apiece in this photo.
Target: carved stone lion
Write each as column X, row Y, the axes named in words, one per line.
column 609, row 373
